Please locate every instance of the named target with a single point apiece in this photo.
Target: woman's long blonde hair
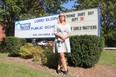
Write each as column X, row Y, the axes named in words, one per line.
column 59, row 18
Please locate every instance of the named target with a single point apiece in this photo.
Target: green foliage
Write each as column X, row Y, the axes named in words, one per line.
column 14, row 10
column 86, row 50
column 3, row 47
column 50, row 59
column 13, row 45
column 29, row 50
column 36, row 58
column 110, row 36
column 110, row 42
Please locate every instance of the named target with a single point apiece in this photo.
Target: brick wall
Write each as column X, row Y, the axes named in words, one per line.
column 2, row 31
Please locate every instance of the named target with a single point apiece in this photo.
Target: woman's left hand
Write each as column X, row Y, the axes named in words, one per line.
column 63, row 38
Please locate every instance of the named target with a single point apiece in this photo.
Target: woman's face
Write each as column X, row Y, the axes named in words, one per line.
column 62, row 18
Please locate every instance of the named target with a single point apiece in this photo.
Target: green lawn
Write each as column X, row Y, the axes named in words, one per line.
column 16, row 70
column 108, row 57
column 3, row 54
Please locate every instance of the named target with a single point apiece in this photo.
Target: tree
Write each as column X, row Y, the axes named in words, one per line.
column 14, row 10
column 108, row 17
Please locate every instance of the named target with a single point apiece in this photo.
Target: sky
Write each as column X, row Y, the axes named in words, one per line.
column 69, row 4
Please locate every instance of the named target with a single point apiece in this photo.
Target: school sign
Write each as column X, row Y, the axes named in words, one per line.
column 82, row 22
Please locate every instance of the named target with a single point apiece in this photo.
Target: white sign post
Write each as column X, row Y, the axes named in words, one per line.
column 82, row 22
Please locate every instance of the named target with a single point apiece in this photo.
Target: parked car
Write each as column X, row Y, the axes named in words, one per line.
column 44, row 43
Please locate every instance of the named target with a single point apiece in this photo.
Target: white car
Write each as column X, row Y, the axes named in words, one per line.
column 42, row 43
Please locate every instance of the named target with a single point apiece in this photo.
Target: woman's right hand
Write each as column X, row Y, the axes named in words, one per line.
column 61, row 40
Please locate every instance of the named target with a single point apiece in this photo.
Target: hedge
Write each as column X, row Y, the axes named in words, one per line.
column 13, row 45
column 85, row 50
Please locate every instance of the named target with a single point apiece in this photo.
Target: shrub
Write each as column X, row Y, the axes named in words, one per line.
column 36, row 58
column 13, row 45
column 110, row 42
column 3, row 47
column 86, row 50
column 29, row 50
column 50, row 59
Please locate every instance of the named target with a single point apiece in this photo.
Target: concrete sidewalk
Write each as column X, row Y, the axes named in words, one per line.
column 110, row 48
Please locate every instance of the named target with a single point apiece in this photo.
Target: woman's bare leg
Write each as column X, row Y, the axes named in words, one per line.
column 59, row 62
column 63, row 61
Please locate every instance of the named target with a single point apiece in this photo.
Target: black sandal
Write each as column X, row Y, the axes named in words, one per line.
column 58, row 71
column 65, row 72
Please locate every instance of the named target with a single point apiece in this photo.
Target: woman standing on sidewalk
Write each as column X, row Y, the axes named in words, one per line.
column 62, row 43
